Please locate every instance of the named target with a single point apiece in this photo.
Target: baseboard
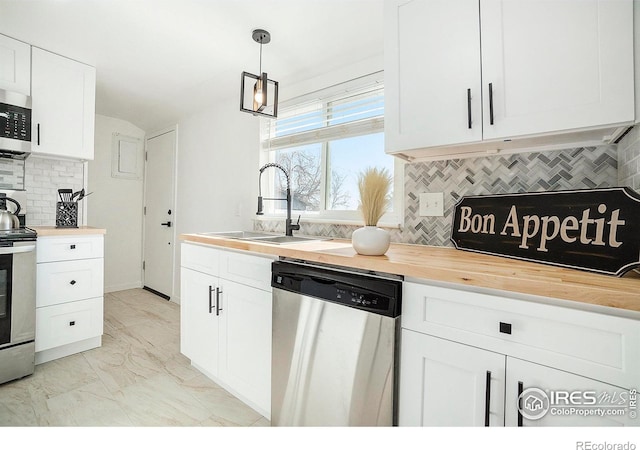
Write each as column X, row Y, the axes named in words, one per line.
column 123, row 287
column 69, row 349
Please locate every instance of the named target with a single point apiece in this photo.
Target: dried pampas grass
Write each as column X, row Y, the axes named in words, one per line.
column 374, row 185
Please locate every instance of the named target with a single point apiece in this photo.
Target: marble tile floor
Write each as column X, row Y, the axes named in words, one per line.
column 137, row 378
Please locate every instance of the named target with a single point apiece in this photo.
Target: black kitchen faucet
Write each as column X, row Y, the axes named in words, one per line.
column 289, row 227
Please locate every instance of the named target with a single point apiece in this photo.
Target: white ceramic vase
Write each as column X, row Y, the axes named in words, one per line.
column 370, row 241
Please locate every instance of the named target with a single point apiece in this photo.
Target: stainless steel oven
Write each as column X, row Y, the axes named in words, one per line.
column 17, row 298
column 17, row 309
column 15, row 125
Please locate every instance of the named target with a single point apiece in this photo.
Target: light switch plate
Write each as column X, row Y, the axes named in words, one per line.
column 432, row 204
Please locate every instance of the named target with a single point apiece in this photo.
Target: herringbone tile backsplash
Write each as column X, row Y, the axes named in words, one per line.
column 579, row 168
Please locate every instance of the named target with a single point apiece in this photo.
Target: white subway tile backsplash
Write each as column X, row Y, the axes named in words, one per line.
column 43, row 178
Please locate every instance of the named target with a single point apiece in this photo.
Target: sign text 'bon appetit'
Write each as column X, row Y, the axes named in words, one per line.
column 592, row 229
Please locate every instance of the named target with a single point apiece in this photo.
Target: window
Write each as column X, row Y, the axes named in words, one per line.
column 324, row 140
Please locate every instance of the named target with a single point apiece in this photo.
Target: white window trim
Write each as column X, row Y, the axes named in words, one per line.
column 394, row 219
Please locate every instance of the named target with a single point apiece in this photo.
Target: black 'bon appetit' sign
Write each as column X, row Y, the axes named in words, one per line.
column 593, row 229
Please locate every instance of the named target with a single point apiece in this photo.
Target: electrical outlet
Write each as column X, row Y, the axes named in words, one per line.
column 432, row 204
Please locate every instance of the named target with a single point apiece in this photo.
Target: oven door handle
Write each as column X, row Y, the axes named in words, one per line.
column 14, row 250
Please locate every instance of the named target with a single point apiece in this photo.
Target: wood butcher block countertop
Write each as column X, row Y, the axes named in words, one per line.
column 442, row 264
column 53, row 231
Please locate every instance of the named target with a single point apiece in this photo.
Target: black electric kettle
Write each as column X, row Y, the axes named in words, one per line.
column 8, row 220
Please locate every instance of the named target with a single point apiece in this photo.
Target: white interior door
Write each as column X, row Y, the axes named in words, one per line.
column 159, row 214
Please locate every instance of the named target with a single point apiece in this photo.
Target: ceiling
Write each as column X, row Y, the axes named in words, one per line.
column 158, row 60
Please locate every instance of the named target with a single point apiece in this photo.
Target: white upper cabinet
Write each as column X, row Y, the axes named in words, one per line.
column 432, row 74
column 63, row 102
column 15, row 65
column 556, row 66
column 477, row 76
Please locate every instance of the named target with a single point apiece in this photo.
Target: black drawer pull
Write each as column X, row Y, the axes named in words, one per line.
column 505, row 328
column 469, row 108
column 72, row 246
column 520, row 390
column 72, row 282
column 490, row 103
column 72, row 323
column 487, row 398
column 218, row 308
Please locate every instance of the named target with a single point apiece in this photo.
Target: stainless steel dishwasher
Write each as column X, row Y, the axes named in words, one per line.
column 334, row 347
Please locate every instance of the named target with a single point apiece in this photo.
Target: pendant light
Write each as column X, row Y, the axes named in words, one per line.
column 261, row 98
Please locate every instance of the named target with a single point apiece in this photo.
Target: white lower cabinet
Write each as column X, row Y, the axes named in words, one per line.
column 226, row 320
column 466, row 358
column 444, row 383
column 245, row 342
column 199, row 323
column 593, row 404
column 69, row 295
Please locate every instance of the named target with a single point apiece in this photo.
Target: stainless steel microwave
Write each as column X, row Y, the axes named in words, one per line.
column 15, row 125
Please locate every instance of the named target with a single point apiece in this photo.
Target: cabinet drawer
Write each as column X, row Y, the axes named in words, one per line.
column 250, row 270
column 65, row 248
column 70, row 322
column 602, row 346
column 67, row 281
column 200, row 258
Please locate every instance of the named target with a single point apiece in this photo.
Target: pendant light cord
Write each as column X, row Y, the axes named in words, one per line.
column 260, row 71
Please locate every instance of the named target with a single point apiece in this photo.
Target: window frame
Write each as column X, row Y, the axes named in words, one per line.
column 273, row 211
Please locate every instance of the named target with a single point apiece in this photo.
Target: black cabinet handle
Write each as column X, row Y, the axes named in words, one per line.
column 505, row 328
column 38, row 134
column 72, row 247
column 469, row 107
column 72, row 323
column 210, row 299
column 520, row 389
column 72, row 282
column 166, row 224
column 218, row 308
column 487, row 398
column 490, row 103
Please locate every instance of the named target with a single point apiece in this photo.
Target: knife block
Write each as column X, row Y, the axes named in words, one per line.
column 67, row 215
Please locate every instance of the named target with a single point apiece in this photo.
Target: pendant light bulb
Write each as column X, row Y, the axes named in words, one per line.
column 257, row 92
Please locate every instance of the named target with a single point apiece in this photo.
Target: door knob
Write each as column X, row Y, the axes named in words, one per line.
column 166, row 224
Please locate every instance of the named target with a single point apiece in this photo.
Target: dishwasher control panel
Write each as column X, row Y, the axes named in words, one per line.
column 373, row 294
column 359, row 298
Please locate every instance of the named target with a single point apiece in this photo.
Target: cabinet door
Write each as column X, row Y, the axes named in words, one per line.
column 245, row 343
column 63, row 102
column 556, row 65
column 555, row 383
column 443, row 383
column 432, row 73
column 199, row 322
column 15, row 65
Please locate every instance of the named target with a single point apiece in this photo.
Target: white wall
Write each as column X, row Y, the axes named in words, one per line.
column 116, row 204
column 218, row 162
